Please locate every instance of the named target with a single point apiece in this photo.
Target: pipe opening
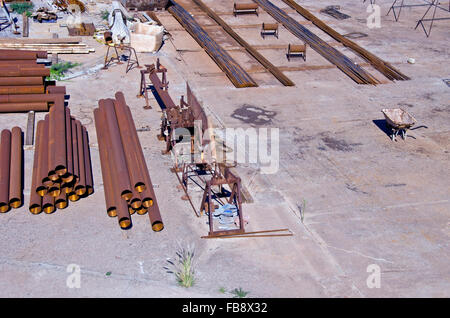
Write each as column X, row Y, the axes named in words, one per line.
column 61, row 170
column 41, row 191
column 147, row 202
column 15, row 203
column 125, row 223
column 157, row 226
column 140, row 187
column 4, row 207
column 142, row 211
column 73, row 197
column 49, row 208
column 112, row 212
column 35, row 209
column 126, row 194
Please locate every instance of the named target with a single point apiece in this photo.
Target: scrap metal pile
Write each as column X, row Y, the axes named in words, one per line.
column 22, row 82
column 62, row 164
column 127, row 184
column 11, row 190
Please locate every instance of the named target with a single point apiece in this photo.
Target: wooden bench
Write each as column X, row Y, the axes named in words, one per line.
column 269, row 29
column 245, row 8
column 296, row 50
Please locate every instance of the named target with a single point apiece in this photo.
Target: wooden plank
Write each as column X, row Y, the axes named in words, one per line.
column 261, row 59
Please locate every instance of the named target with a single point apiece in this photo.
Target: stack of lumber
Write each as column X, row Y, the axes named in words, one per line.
column 22, row 82
column 62, row 164
column 61, row 45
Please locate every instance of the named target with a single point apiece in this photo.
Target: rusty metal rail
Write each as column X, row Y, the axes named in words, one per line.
column 345, row 64
column 253, row 52
column 237, row 75
column 383, row 67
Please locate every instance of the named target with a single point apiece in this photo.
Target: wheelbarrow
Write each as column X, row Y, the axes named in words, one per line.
column 399, row 121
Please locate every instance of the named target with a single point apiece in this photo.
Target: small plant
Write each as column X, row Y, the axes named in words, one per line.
column 58, row 70
column 104, row 14
column 183, row 266
column 222, row 290
column 21, row 7
column 239, row 293
column 302, row 209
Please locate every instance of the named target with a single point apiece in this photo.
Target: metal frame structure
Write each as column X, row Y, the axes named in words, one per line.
column 427, row 3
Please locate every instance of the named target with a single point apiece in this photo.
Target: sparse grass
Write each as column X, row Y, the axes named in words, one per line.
column 183, row 266
column 239, row 293
column 58, row 70
column 21, row 7
column 222, row 290
column 104, row 14
column 302, row 209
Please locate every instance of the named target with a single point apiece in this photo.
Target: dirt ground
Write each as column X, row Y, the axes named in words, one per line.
column 365, row 199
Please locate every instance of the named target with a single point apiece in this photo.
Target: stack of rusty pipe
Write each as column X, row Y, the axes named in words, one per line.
column 62, row 169
column 127, row 184
column 22, row 82
column 11, row 154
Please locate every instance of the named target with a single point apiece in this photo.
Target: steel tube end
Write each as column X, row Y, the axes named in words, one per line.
column 157, row 226
column 125, row 223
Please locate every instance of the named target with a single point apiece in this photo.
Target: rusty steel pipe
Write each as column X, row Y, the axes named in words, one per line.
column 87, row 163
column 117, row 152
column 35, row 206
column 111, row 207
column 56, row 90
column 76, row 168
column 17, row 62
column 5, row 153
column 80, row 186
column 48, row 204
column 61, row 201
column 24, row 80
column 44, row 180
column 68, row 177
column 123, row 214
column 54, row 189
column 15, row 170
column 17, row 90
column 21, row 55
column 57, row 154
column 23, row 107
column 149, row 200
column 43, row 72
column 129, row 145
column 29, row 98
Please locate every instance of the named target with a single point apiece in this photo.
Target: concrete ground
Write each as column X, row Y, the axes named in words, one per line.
column 366, row 200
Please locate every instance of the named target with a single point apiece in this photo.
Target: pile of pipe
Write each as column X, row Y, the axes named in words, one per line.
column 11, row 151
column 22, row 82
column 126, row 180
column 62, row 164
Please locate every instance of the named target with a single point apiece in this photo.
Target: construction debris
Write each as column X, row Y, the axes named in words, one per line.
column 127, row 184
column 11, row 187
column 44, row 15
